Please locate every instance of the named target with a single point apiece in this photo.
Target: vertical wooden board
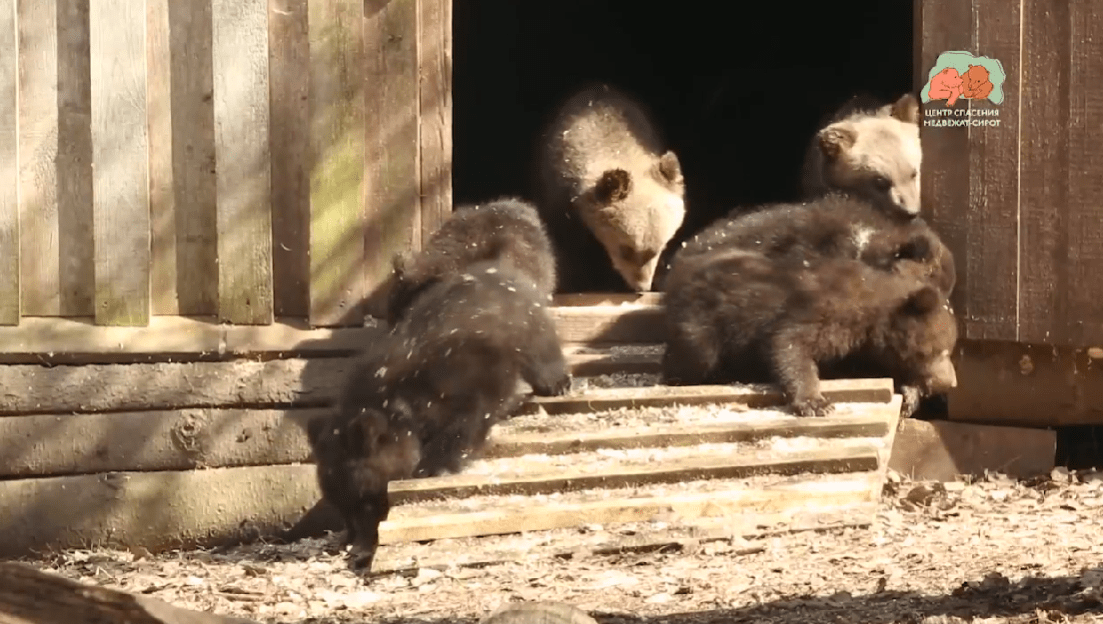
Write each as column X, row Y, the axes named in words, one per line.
column 120, row 149
column 239, row 45
column 38, row 137
column 393, row 170
column 435, row 115
column 1085, row 205
column 289, row 71
column 9, row 166
column 193, row 157
column 1044, row 140
column 992, row 302
column 162, row 205
column 76, row 272
column 944, row 27
column 337, row 134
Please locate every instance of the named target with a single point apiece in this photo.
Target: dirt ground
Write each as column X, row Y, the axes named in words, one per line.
column 993, row 550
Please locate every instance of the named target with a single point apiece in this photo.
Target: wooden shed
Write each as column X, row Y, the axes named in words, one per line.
column 214, row 189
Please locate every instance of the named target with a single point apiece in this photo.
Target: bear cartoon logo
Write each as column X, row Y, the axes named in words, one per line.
column 977, row 85
column 946, row 85
column 965, row 76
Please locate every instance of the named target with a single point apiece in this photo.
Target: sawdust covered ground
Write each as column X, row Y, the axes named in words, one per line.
column 992, row 551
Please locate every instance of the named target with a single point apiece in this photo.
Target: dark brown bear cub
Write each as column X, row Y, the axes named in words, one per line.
column 423, row 399
column 740, row 316
column 830, row 226
column 507, row 229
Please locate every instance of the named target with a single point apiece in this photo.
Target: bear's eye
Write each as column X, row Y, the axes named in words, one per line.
column 915, row 174
column 628, row 253
column 882, row 183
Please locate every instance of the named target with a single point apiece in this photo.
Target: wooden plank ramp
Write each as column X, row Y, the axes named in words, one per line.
column 735, row 460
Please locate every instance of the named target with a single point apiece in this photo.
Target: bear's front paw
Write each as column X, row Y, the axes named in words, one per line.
column 816, row 406
column 911, row 397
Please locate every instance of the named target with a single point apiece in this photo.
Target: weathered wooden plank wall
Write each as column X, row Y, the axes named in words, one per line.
column 1019, row 204
column 233, row 160
column 9, row 168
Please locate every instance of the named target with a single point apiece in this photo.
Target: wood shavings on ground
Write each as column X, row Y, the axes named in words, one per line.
column 993, row 551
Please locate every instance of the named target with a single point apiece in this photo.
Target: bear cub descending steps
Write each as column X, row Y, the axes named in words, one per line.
column 507, row 230
column 610, row 191
column 423, row 398
column 739, row 316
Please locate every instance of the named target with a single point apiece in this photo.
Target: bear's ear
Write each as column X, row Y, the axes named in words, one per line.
column 836, row 139
column 670, row 167
column 614, row 185
column 906, row 109
column 922, row 301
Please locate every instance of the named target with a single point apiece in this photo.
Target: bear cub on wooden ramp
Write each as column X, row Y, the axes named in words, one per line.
column 422, row 399
column 610, row 191
column 871, row 150
column 830, row 226
column 739, row 316
column 507, row 229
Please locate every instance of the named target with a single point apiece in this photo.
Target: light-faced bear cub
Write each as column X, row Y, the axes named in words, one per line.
column 422, row 399
column 610, row 190
column 871, row 150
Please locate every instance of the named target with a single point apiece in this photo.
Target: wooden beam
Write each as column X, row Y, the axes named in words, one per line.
column 392, row 168
column 75, row 158
column 1014, row 384
column 10, row 296
column 222, row 506
column 290, row 75
column 163, row 268
column 208, row 382
column 120, row 144
column 64, row 444
column 194, row 170
column 741, row 506
column 39, row 255
column 837, row 390
column 944, row 450
column 29, row 596
column 78, row 340
column 337, row 136
column 243, row 160
column 608, row 299
column 434, row 51
column 626, row 323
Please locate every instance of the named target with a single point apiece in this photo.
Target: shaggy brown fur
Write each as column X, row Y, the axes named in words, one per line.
column 423, row 399
column 830, row 226
column 868, row 150
column 610, row 191
column 739, row 316
column 506, row 230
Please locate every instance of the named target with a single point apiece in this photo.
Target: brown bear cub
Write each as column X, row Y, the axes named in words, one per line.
column 507, row 229
column 422, row 400
column 869, row 150
column 831, row 226
column 739, row 316
column 610, row 191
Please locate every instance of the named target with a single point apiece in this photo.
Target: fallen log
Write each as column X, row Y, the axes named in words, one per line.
column 30, row 596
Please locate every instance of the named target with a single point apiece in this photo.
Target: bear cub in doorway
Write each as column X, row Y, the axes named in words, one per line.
column 610, row 190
